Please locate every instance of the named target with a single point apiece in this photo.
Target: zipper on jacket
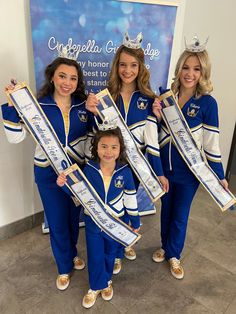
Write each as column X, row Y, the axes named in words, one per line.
column 126, row 112
column 106, row 192
column 66, row 134
column 170, row 164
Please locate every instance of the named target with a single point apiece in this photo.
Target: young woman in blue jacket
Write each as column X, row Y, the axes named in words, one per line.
column 62, row 99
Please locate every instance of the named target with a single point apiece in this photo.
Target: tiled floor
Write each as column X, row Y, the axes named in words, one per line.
column 28, row 272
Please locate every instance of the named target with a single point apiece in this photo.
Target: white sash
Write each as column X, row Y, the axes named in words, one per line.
column 42, row 131
column 136, row 159
column 192, row 155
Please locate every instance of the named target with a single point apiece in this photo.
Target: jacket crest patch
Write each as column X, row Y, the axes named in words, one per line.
column 82, row 116
column 142, row 103
column 192, row 110
column 119, row 182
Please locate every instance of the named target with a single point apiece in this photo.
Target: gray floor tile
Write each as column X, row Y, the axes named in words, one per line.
column 28, row 271
column 208, row 283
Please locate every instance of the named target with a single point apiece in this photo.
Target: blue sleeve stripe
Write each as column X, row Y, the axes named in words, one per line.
column 210, row 128
column 8, row 122
column 116, row 199
column 137, row 140
column 213, row 159
column 76, row 157
column 133, row 127
column 80, row 139
column 152, row 119
column 42, row 164
column 152, row 147
column 130, row 192
column 164, row 129
column 11, row 129
column 164, row 138
column 156, row 154
column 40, row 159
column 212, row 155
column 196, row 128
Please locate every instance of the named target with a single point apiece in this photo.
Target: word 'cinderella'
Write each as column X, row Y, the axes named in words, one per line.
column 91, row 47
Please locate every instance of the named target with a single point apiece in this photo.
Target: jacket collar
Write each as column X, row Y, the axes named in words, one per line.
column 49, row 100
column 96, row 165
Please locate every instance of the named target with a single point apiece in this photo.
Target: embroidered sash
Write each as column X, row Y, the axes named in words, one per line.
column 136, row 159
column 192, row 155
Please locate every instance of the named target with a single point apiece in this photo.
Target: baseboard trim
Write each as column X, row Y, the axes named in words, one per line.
column 20, row 226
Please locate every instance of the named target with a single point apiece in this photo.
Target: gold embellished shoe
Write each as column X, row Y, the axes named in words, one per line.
column 90, row 298
column 158, row 256
column 107, row 293
column 63, row 281
column 117, row 266
column 175, row 268
column 79, row 263
column 130, row 253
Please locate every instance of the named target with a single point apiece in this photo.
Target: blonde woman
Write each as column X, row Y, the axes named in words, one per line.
column 192, row 87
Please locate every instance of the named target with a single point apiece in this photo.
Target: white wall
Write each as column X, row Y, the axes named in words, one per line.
column 216, row 19
column 18, row 195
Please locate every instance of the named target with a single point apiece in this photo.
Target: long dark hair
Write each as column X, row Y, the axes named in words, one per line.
column 114, row 132
column 48, row 86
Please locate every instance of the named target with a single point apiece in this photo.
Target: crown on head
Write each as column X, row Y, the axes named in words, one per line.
column 68, row 51
column 196, row 46
column 133, row 43
column 106, row 124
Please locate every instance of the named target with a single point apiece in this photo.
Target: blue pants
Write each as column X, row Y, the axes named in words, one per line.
column 174, row 217
column 63, row 220
column 101, row 253
column 120, row 248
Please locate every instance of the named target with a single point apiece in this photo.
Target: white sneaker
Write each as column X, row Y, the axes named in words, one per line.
column 117, row 266
column 130, row 253
column 158, row 256
column 175, row 268
column 90, row 298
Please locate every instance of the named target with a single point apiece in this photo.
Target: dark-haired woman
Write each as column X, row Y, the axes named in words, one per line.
column 62, row 98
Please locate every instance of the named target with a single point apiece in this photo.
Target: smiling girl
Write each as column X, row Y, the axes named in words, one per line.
column 130, row 88
column 192, row 87
column 62, row 98
column 112, row 178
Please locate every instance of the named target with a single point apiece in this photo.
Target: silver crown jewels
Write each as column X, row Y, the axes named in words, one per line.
column 68, row 51
column 106, row 125
column 133, row 43
column 196, row 46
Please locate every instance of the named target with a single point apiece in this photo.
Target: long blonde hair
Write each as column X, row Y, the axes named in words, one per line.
column 142, row 81
column 204, row 85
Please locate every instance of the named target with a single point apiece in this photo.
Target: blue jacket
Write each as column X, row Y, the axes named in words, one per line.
column 121, row 195
column 76, row 142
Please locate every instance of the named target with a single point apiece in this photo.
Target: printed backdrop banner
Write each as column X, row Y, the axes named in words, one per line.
column 96, row 29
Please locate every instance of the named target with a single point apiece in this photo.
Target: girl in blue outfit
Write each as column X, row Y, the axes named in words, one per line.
column 62, row 98
column 192, row 87
column 130, row 89
column 112, row 178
